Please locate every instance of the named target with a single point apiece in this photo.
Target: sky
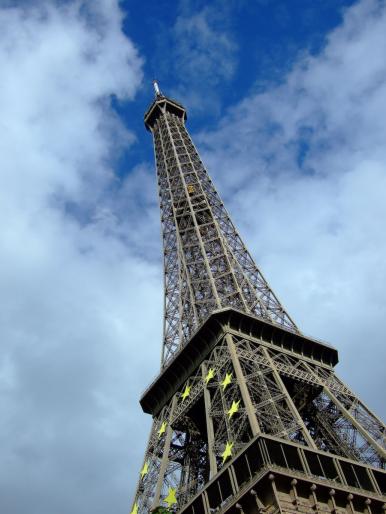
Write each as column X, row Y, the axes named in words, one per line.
column 286, row 102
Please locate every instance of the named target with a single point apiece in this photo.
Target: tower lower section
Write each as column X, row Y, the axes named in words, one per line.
column 250, row 417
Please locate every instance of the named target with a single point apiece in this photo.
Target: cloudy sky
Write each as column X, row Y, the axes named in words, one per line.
column 287, row 104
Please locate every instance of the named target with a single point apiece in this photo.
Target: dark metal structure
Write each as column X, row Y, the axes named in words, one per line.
column 248, row 414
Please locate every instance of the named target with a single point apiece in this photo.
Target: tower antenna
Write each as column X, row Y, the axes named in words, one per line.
column 156, row 88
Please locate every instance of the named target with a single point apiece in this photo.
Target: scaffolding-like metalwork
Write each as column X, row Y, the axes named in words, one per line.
column 243, row 399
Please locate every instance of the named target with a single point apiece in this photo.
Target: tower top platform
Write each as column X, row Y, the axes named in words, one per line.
column 162, row 102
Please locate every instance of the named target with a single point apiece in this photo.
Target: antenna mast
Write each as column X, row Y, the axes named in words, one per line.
column 156, row 88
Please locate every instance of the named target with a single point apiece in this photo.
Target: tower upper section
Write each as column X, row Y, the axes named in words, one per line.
column 206, row 264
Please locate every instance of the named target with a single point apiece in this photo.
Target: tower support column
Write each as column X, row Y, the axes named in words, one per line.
column 165, row 458
column 243, row 386
column 355, row 423
column 209, row 425
column 290, row 403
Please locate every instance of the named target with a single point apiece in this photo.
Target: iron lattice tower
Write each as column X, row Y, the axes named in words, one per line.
column 248, row 414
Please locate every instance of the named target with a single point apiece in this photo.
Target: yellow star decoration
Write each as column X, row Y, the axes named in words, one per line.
column 162, row 430
column 233, row 409
column 135, row 508
column 227, row 380
column 186, row 393
column 171, row 497
column 145, row 469
column 227, row 452
column 209, row 375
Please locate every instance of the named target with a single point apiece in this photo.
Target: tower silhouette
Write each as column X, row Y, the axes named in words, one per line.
column 248, row 414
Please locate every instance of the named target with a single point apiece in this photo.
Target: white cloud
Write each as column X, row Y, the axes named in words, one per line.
column 204, row 54
column 70, row 366
column 204, row 50
column 303, row 170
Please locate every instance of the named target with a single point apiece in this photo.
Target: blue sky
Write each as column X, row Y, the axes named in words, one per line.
column 287, row 104
column 203, row 52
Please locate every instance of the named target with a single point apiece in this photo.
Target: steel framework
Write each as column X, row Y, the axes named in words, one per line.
column 248, row 414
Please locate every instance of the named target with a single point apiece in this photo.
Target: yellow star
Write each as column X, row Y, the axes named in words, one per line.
column 171, row 497
column 227, row 380
column 186, row 393
column 135, row 508
column 233, row 409
column 162, row 429
column 227, row 452
column 145, row 469
column 210, row 375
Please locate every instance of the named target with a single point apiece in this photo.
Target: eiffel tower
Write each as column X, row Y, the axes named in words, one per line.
column 248, row 414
